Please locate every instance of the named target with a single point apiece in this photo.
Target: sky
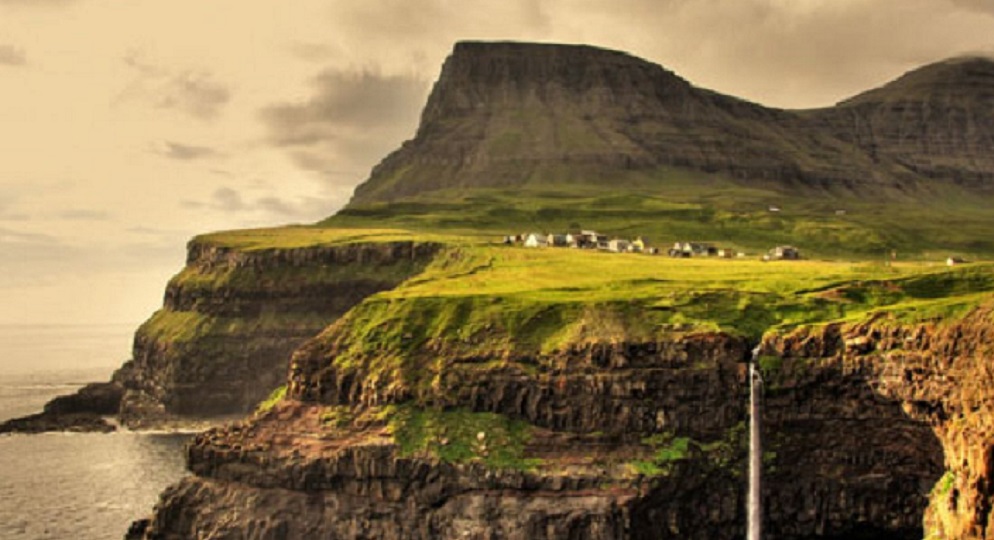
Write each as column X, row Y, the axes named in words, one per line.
column 127, row 127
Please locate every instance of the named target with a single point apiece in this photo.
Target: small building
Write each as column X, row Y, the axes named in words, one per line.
column 557, row 240
column 774, row 208
column 592, row 240
column 783, row 253
column 639, row 244
column 693, row 249
column 619, row 246
column 727, row 253
column 953, row 261
column 536, row 240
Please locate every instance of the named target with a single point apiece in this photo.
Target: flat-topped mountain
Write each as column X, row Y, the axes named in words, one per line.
column 513, row 114
column 519, row 136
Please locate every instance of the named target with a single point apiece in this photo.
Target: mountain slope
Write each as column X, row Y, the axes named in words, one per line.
column 519, row 136
column 515, row 114
column 937, row 120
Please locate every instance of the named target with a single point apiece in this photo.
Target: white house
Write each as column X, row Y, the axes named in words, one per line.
column 535, row 240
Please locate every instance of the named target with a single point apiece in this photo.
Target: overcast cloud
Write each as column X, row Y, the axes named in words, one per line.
column 184, row 152
column 12, row 56
column 194, row 92
column 349, row 120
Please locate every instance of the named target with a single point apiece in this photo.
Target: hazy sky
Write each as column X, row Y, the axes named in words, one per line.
column 128, row 126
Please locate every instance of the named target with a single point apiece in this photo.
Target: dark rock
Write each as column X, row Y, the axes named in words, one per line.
column 43, row 422
column 82, row 411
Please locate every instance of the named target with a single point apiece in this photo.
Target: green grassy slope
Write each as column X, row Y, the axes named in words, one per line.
column 669, row 205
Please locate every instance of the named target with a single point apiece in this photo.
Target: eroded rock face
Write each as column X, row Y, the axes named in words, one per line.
column 223, row 338
column 847, row 460
column 942, row 375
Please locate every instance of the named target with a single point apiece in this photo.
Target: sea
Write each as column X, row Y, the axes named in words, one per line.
column 87, row 486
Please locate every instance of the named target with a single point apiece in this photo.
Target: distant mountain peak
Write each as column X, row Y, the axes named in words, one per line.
column 957, row 76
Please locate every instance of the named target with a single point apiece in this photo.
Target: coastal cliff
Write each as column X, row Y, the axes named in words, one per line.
column 229, row 322
column 607, row 441
column 231, row 318
column 469, row 403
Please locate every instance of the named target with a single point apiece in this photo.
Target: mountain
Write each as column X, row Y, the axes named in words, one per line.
column 517, row 114
column 519, row 137
column 937, row 120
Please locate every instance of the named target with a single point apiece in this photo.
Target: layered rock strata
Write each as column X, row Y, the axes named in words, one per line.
column 625, row 440
column 232, row 317
column 942, row 375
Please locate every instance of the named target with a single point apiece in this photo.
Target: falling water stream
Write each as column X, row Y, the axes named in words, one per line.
column 754, row 518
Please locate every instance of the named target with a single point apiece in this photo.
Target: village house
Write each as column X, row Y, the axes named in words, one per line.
column 592, row 240
column 953, row 261
column 584, row 240
column 692, row 249
column 535, row 240
column 639, row 244
column 727, row 253
column 783, row 253
column 619, row 246
column 557, row 240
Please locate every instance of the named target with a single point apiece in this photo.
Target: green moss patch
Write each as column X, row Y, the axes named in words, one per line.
column 459, row 436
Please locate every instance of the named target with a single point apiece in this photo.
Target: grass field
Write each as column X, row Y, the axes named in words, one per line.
column 669, row 205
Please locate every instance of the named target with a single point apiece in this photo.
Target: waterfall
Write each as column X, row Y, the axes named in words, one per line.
column 754, row 517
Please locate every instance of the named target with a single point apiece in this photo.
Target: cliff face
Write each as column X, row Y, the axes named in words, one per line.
column 515, row 114
column 594, row 440
column 941, row 374
column 231, row 318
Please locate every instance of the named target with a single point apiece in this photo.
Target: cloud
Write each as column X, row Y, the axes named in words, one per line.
column 350, row 120
column 226, row 199
column 223, row 199
column 12, row 56
column 980, row 6
column 30, row 257
column 314, row 52
column 193, row 92
column 184, row 152
column 36, row 3
column 84, row 215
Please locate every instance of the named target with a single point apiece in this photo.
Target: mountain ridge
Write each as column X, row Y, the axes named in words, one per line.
column 536, row 104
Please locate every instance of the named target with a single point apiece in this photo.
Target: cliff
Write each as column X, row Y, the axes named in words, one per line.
column 625, row 441
column 468, row 403
column 941, row 375
column 230, row 320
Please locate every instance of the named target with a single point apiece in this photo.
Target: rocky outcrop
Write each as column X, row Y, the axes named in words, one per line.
column 86, row 410
column 232, row 317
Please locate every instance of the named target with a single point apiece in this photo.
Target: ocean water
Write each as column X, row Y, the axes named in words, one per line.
column 67, row 485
